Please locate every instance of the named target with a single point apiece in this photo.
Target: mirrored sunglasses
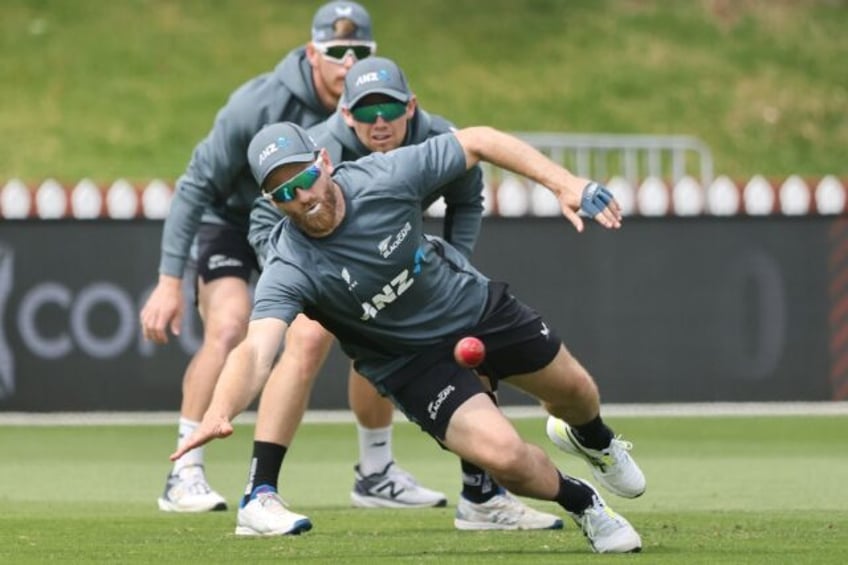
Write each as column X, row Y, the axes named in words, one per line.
column 336, row 53
column 304, row 180
column 389, row 111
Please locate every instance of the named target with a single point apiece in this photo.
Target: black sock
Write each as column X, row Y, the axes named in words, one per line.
column 594, row 434
column 477, row 485
column 265, row 466
column 573, row 495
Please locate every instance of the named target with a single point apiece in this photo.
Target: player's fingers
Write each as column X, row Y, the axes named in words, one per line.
column 153, row 330
column 608, row 219
column 572, row 217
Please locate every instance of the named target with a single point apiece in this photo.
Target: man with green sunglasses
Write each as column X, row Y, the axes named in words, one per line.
column 398, row 311
column 210, row 213
column 379, row 113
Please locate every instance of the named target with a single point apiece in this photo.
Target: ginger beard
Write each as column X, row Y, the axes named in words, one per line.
column 314, row 211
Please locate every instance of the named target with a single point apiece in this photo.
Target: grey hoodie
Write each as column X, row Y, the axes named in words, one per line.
column 463, row 196
column 217, row 186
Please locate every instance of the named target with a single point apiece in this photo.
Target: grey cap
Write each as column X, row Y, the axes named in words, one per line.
column 328, row 14
column 375, row 75
column 276, row 145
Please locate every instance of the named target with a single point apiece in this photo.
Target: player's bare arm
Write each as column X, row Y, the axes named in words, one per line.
column 245, row 373
column 574, row 193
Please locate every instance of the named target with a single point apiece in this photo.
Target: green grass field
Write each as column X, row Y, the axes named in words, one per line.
column 759, row 490
column 126, row 89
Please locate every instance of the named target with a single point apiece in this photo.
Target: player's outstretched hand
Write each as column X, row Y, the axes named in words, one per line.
column 212, row 427
column 595, row 201
column 598, row 202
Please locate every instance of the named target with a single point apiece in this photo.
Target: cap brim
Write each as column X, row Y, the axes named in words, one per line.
column 272, row 163
column 394, row 93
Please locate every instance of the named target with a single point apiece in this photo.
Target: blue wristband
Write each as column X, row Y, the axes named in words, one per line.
column 596, row 197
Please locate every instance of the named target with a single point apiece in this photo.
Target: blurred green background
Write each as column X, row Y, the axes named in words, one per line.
column 126, row 88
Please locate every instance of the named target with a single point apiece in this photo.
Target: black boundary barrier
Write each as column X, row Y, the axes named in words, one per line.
column 665, row 310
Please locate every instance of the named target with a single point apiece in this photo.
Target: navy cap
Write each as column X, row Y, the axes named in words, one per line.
column 276, row 145
column 323, row 24
column 375, row 75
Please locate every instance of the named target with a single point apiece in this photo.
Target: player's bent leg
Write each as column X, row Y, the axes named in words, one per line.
column 379, row 482
column 225, row 306
column 569, row 394
column 484, row 505
column 483, row 435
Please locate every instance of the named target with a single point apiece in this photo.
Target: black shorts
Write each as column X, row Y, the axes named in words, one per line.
column 430, row 388
column 222, row 251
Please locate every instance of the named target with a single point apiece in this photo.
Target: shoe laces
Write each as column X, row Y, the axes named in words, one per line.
column 618, row 449
column 400, row 477
column 621, row 443
column 271, row 501
column 505, row 501
column 598, row 519
column 193, row 481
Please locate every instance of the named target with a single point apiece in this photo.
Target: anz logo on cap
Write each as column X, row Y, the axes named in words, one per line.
column 270, row 149
column 373, row 76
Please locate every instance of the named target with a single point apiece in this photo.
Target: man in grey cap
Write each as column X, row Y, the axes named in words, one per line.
column 379, row 112
column 398, row 314
column 211, row 208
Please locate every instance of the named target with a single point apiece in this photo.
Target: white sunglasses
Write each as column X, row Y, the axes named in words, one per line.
column 337, row 52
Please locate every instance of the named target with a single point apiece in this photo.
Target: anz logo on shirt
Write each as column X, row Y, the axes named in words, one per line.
column 387, row 295
column 391, row 291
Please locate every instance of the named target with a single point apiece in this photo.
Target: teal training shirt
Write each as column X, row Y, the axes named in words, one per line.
column 381, row 285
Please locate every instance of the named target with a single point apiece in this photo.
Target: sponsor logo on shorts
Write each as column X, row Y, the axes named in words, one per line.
column 545, row 331
column 221, row 261
column 433, row 407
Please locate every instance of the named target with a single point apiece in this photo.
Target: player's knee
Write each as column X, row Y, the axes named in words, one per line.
column 309, row 339
column 225, row 334
column 505, row 457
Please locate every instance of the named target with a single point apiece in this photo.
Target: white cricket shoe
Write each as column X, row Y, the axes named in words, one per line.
column 266, row 514
column 606, row 531
column 502, row 512
column 612, row 467
column 392, row 488
column 188, row 491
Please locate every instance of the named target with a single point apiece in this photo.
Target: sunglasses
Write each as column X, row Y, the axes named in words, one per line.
column 389, row 111
column 304, row 180
column 336, row 53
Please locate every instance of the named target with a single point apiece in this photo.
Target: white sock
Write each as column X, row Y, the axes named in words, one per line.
column 193, row 457
column 375, row 449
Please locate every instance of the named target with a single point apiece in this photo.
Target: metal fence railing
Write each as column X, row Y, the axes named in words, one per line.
column 632, row 157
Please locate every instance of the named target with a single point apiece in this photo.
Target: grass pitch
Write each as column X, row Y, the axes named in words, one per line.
column 720, row 490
